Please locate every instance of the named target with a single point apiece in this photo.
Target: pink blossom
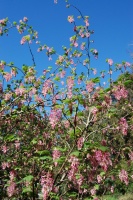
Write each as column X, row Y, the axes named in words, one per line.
column 7, row 76
column 110, row 62
column 93, row 191
column 46, row 86
column 54, row 117
column 62, row 74
column 94, row 110
column 70, row 83
column 20, row 91
column 2, row 65
column 56, row 154
column 112, row 189
column 123, row 125
column 25, row 19
column 75, row 44
column 73, row 168
column 47, row 184
column 99, row 178
column 131, row 155
column 123, row 176
column 66, row 124
column 23, row 40
column 80, row 142
column 94, row 71
column 80, row 180
column 70, row 19
column 89, row 86
column 82, row 47
column 5, row 164
column 2, row 21
column 87, row 34
column 11, row 189
column 87, row 22
column 102, row 158
column 8, row 96
column 120, row 92
column 39, row 100
column 13, row 72
column 17, row 144
column 4, row 148
column 127, row 64
column 12, row 175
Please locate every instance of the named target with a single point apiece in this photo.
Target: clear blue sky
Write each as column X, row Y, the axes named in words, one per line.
column 112, row 21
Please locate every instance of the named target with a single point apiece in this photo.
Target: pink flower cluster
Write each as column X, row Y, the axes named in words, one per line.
column 20, row 91
column 100, row 158
column 25, row 39
column 123, row 176
column 110, row 62
column 3, row 21
column 90, row 86
column 46, row 86
column 70, row 83
column 56, row 154
column 120, row 92
column 7, row 76
column 2, row 65
column 74, row 168
column 54, row 117
column 80, row 142
column 131, row 155
column 5, row 165
column 47, row 185
column 11, row 189
column 123, row 126
column 70, row 19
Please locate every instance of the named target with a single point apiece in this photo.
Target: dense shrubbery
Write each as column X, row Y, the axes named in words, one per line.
column 63, row 135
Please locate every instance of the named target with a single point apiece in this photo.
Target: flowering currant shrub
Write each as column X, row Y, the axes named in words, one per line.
column 63, row 135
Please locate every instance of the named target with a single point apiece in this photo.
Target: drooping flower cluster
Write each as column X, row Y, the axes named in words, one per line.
column 70, row 83
column 110, row 62
column 73, row 168
column 119, row 92
column 90, row 86
column 54, row 117
column 123, row 176
column 100, row 158
column 123, row 126
column 56, row 154
column 46, row 87
column 11, row 189
column 47, row 185
column 80, row 142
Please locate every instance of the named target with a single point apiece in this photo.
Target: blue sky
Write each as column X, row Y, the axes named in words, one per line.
column 112, row 22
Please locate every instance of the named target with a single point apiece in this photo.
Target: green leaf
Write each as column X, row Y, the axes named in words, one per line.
column 75, row 153
column 96, row 187
column 44, row 152
column 80, row 114
column 96, row 80
column 45, row 158
column 26, row 189
column 73, row 194
column 128, row 82
column 57, row 78
column 34, row 141
column 28, row 178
